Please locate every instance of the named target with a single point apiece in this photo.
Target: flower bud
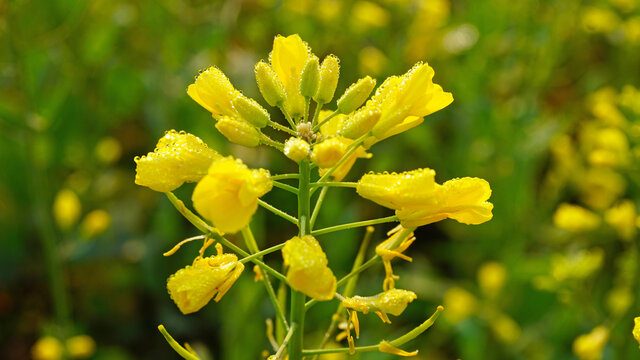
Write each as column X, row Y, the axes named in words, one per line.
column 329, row 152
column 270, row 86
column 356, row 95
column 329, row 74
column 296, row 149
column 310, row 77
column 238, row 132
column 360, row 122
column 251, row 111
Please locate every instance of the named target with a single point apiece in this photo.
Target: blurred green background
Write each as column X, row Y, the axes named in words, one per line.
column 87, row 85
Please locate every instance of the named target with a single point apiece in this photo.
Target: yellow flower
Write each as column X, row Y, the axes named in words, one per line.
column 108, row 150
column 214, row 92
column 308, row 270
column 419, row 200
column 66, row 208
column 491, row 277
column 95, row 223
column 411, row 95
column 600, row 187
column 387, row 254
column 397, row 191
column 367, row 14
column 575, row 218
column 179, row 157
column 590, row 346
column 622, row 217
column 599, row 20
column 636, row 329
column 330, row 153
column 609, row 147
column 460, row 304
column 194, row 286
column 463, row 199
column 392, row 302
column 81, row 346
column 296, row 149
column 47, row 348
column 228, row 194
column 505, row 328
column 288, row 58
column 371, row 61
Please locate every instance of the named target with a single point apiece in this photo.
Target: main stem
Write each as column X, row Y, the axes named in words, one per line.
column 298, row 298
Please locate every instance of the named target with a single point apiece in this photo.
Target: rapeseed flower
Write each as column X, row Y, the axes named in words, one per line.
column 574, row 218
column 192, row 287
column 179, row 157
column 228, row 194
column 308, row 271
column 288, row 58
column 589, row 346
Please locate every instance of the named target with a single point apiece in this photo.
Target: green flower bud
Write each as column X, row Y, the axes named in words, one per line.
column 360, row 122
column 270, row 86
column 310, row 77
column 238, row 132
column 356, row 95
column 251, row 111
column 329, row 74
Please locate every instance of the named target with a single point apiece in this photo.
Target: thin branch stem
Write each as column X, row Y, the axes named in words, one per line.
column 316, row 115
column 277, row 211
column 282, row 186
column 189, row 215
column 269, row 141
column 292, row 329
column 316, row 208
column 354, row 225
column 285, row 176
column 277, row 126
column 324, row 121
column 250, row 240
column 177, row 347
column 334, row 184
column 288, row 117
column 262, row 253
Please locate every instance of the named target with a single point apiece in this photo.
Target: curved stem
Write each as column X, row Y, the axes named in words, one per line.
column 334, row 184
column 177, row 347
column 355, row 225
column 316, row 208
column 277, row 211
column 288, row 117
column 285, row 176
column 277, row 126
column 282, row 186
column 189, row 215
column 324, row 121
column 269, row 141
column 250, row 240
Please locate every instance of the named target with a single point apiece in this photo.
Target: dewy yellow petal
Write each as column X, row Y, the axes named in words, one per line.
column 194, row 286
column 399, row 190
column 308, row 270
column 179, row 157
column 288, row 59
column 228, row 194
column 461, row 199
column 392, row 302
column 636, row 329
column 329, row 152
column 213, row 91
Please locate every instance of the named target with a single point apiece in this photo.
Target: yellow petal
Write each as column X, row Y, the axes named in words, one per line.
column 399, row 190
column 179, row 157
column 386, row 347
column 213, row 91
column 288, row 58
column 308, row 270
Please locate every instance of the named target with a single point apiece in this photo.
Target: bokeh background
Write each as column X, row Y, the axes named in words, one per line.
column 547, row 109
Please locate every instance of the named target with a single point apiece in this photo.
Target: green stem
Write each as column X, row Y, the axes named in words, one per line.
column 355, row 225
column 269, row 141
column 282, row 186
column 316, row 208
column 277, row 126
column 316, row 116
column 288, row 117
column 262, row 253
column 324, row 121
column 193, row 218
column 250, row 240
column 334, row 184
column 245, row 254
column 298, row 298
column 397, row 342
column 285, row 176
column 277, row 211
column 177, row 347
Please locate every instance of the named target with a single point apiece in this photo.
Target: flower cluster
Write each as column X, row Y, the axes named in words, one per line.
column 228, row 193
